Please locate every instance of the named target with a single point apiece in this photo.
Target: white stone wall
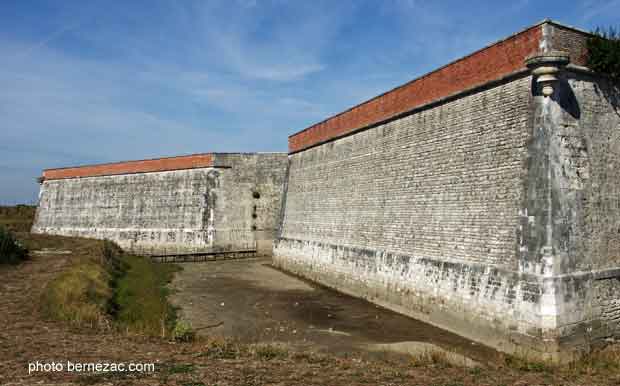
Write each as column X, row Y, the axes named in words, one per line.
column 422, row 214
column 181, row 211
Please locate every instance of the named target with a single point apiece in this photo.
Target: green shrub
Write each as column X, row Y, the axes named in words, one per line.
column 604, row 52
column 11, row 251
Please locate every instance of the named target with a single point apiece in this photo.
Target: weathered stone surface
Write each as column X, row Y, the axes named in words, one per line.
column 422, row 213
column 231, row 206
column 493, row 213
column 483, row 197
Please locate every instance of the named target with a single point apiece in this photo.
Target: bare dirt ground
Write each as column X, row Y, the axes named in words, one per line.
column 250, row 301
column 26, row 336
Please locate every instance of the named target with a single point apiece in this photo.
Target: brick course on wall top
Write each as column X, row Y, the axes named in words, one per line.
column 498, row 60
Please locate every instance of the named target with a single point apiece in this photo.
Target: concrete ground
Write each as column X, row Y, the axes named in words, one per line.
column 251, row 301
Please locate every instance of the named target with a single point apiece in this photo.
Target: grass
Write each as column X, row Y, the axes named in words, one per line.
column 183, row 332
column 431, row 358
column 80, row 295
column 526, row 364
column 221, row 348
column 108, row 288
column 11, row 251
column 104, row 287
column 597, row 362
column 140, row 298
column 84, row 292
column 181, row 368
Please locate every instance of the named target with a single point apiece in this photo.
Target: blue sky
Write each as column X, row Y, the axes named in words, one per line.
column 99, row 81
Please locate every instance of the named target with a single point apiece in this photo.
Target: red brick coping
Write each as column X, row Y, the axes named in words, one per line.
column 129, row 167
column 481, row 67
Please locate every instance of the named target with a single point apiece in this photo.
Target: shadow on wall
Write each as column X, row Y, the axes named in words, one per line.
column 610, row 90
column 568, row 101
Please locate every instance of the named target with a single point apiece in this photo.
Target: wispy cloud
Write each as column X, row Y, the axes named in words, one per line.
column 59, row 108
column 104, row 81
column 47, row 39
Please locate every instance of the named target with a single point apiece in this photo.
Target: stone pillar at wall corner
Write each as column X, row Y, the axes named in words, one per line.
column 551, row 206
column 543, row 191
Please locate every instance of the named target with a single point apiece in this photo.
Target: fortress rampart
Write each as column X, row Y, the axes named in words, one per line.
column 482, row 197
column 188, row 204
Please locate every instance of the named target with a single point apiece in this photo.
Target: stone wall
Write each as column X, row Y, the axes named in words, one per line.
column 589, row 136
column 421, row 213
column 586, row 176
column 172, row 211
column 492, row 212
column 248, row 199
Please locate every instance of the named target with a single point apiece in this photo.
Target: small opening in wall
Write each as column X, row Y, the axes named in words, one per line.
column 256, row 195
column 254, row 215
column 253, row 227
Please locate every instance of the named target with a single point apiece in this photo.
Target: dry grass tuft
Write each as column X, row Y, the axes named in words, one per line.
column 527, row 364
column 220, row 348
column 269, row 352
column 431, row 358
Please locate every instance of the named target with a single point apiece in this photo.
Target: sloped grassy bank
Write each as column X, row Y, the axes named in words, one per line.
column 110, row 289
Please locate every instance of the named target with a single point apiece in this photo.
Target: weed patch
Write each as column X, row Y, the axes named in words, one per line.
column 79, row 295
column 140, row 298
column 183, row 332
